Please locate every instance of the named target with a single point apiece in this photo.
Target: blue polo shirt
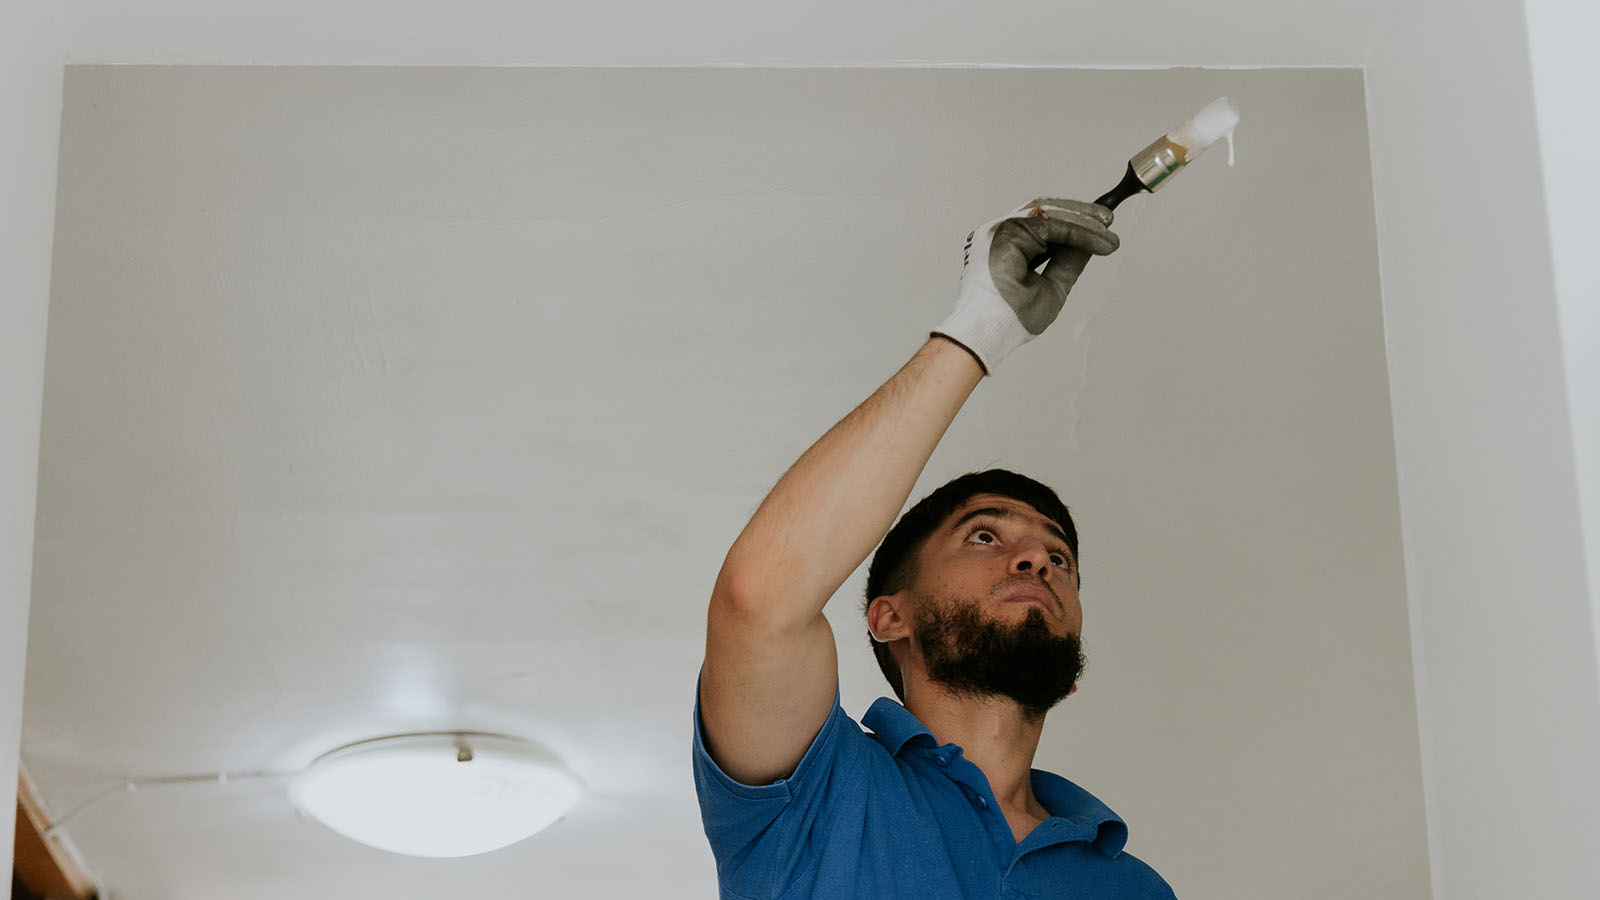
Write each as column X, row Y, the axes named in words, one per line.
column 894, row 814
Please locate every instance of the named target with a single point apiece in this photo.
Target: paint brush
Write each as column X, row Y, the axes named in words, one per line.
column 1155, row 165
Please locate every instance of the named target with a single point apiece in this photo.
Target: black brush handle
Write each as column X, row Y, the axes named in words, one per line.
column 1126, row 188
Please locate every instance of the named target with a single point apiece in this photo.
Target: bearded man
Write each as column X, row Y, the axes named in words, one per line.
column 973, row 613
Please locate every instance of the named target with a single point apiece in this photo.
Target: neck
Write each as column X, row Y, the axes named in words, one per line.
column 992, row 734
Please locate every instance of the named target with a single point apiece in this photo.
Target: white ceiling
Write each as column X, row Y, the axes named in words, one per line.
column 394, row 399
column 345, row 431
column 1154, row 33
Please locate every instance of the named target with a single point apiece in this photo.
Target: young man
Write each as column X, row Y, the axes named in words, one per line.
column 974, row 616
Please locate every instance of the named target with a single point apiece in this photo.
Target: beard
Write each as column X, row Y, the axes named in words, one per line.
column 974, row 657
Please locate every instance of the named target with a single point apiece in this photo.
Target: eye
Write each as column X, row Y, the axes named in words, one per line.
column 1057, row 558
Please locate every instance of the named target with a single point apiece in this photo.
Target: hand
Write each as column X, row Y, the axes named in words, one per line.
column 1003, row 303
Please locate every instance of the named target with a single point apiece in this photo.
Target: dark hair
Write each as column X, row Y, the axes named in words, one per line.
column 894, row 565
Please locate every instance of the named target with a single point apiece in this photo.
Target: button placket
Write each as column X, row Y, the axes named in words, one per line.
column 957, row 770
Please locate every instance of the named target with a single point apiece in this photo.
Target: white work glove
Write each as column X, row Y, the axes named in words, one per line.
column 1003, row 303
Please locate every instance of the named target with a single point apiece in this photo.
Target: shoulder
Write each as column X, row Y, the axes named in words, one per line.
column 765, row 835
column 1143, row 881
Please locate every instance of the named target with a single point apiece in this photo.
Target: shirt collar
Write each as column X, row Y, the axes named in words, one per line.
column 894, row 727
column 1068, row 801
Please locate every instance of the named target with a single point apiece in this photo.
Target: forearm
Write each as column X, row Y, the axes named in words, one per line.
column 841, row 496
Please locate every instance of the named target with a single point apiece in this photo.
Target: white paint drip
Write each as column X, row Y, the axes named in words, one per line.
column 1217, row 120
column 1098, row 287
column 1093, row 293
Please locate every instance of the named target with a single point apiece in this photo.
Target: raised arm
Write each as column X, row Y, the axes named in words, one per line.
column 771, row 665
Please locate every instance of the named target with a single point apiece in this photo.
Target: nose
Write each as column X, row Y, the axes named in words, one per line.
column 1032, row 558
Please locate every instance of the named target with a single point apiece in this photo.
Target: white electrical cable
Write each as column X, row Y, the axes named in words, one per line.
column 134, row 784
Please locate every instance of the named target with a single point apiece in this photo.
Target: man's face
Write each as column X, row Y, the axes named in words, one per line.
column 995, row 609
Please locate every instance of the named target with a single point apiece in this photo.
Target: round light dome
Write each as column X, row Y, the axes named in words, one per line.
column 438, row 795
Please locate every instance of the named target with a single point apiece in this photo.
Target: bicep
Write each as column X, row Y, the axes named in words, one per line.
column 765, row 691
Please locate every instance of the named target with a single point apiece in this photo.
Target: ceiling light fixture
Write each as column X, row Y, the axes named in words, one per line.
column 440, row 794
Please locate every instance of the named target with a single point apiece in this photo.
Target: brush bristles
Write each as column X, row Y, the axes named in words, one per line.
column 1217, row 120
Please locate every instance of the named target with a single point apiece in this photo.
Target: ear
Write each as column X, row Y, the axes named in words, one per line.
column 887, row 620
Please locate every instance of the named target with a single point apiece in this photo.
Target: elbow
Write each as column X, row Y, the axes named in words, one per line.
column 735, row 592
column 763, row 603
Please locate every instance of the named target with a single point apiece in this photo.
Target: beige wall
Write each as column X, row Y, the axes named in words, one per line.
column 30, row 108
column 1500, row 607
column 1564, row 67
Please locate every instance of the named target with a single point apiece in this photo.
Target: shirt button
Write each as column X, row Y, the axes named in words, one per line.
column 982, row 803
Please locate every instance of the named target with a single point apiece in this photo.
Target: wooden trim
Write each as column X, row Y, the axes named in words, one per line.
column 42, row 864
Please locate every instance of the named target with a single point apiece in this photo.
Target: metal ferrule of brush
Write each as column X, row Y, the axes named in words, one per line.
column 1156, row 163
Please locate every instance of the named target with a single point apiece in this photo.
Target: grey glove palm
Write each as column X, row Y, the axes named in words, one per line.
column 1003, row 303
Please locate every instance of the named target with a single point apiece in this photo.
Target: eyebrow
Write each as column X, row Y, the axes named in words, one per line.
column 996, row 512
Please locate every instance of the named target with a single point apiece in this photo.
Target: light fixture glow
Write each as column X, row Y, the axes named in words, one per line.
column 438, row 795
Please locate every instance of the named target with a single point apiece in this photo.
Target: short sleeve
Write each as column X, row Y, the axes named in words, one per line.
column 763, row 835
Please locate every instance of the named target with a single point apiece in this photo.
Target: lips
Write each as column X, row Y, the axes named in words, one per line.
column 1026, row 594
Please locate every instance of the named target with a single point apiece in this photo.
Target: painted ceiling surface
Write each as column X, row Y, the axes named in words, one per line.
column 386, row 400
column 720, row 32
